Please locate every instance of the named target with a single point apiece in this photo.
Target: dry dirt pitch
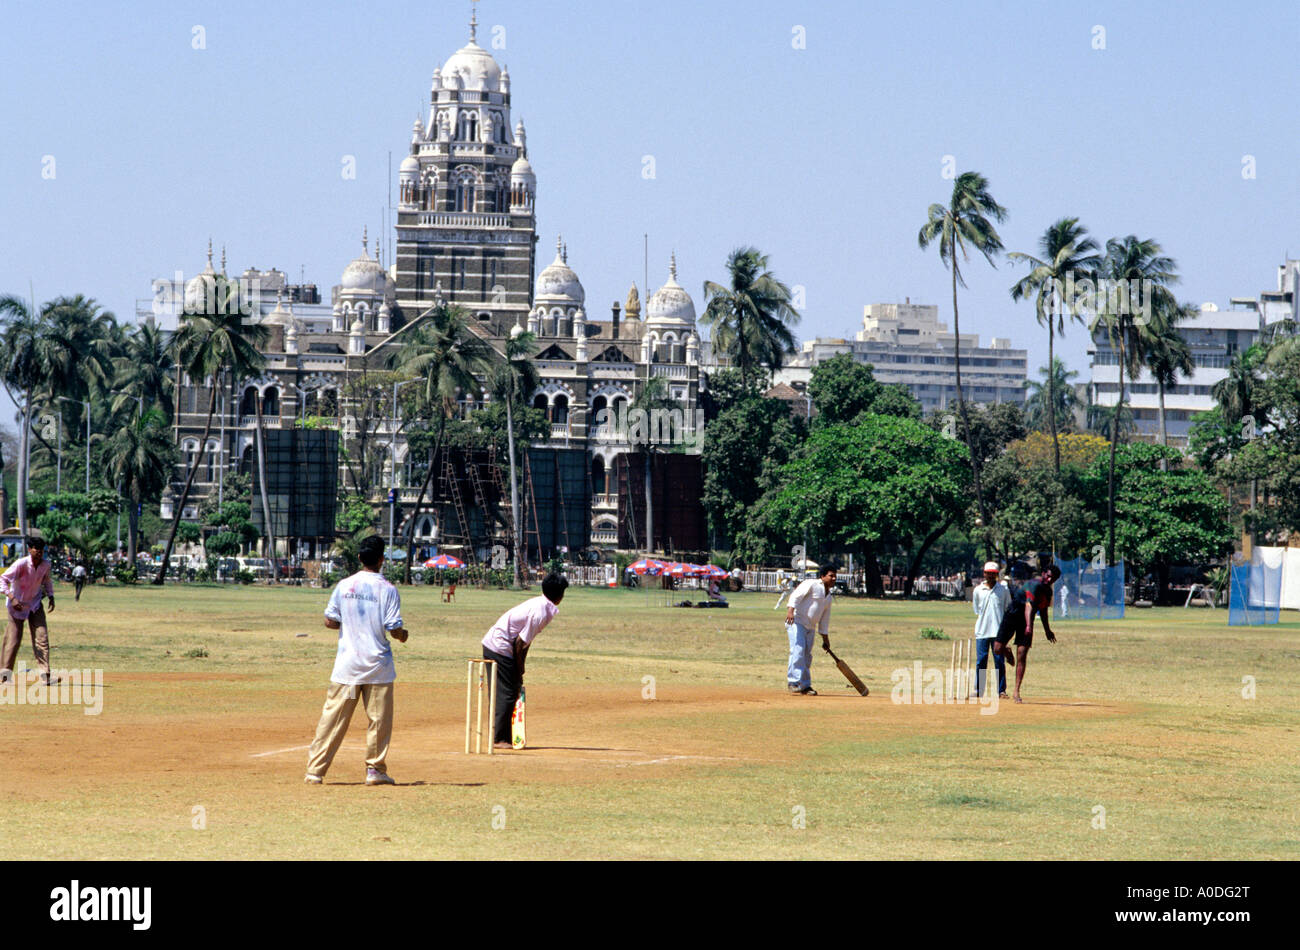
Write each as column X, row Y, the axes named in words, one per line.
column 1136, row 740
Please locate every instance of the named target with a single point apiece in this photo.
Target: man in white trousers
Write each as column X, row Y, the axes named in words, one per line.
column 809, row 610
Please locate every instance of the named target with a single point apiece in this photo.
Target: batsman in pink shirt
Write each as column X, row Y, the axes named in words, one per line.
column 23, row 584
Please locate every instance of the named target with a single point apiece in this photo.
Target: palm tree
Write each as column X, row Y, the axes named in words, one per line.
column 140, row 456
column 1238, row 396
column 516, row 376
column 23, row 370
column 450, row 357
column 1167, row 355
column 88, row 546
column 1130, row 262
column 966, row 224
column 206, row 344
column 145, row 370
column 652, row 398
column 751, row 318
column 1067, row 254
column 1050, row 403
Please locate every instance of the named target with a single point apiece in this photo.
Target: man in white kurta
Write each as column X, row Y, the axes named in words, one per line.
column 990, row 601
column 809, row 610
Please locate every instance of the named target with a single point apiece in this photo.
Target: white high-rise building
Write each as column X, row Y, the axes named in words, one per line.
column 906, row 344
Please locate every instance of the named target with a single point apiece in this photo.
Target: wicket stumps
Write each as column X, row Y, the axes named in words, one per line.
column 483, row 679
column 962, row 681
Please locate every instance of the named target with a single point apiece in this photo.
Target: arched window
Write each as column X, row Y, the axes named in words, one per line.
column 213, row 455
column 191, row 449
column 598, row 405
column 465, row 192
column 271, row 402
column 248, row 402
column 539, row 402
column 467, row 127
column 598, row 484
column 560, row 411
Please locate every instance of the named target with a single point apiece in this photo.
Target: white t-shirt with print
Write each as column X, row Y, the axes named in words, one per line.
column 365, row 605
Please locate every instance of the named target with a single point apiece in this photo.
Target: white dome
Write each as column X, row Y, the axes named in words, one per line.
column 475, row 67
column 364, row 274
column 358, row 327
column 410, row 166
column 279, row 316
column 670, row 305
column 522, row 168
column 558, row 283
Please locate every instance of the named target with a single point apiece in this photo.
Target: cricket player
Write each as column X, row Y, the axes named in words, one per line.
column 507, row 643
column 1032, row 599
column 809, row 609
column 361, row 608
column 990, row 601
column 23, row 584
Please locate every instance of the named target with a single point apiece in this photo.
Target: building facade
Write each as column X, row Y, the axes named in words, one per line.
column 906, row 344
column 465, row 236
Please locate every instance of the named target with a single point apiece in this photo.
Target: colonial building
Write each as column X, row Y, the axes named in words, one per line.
column 465, row 236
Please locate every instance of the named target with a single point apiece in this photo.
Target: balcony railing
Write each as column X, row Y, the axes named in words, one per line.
column 604, row 537
column 464, row 219
column 604, row 501
column 271, row 422
column 671, row 370
column 560, row 430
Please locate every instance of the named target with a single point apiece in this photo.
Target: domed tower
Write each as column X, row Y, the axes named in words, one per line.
column 557, row 308
column 364, row 292
column 669, row 322
column 467, row 198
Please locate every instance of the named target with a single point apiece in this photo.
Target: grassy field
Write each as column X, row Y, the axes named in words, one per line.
column 655, row 733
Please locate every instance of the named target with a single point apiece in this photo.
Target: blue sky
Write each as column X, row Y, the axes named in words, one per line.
column 824, row 157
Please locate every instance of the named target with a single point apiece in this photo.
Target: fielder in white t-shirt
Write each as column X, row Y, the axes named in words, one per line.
column 363, row 608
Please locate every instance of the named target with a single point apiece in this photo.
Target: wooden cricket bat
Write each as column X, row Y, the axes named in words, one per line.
column 849, row 675
column 517, row 737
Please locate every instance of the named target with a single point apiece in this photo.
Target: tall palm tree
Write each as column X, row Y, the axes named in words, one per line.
column 965, row 224
column 145, row 369
column 752, row 316
column 1052, row 400
column 653, row 397
column 1238, row 395
column 1067, row 254
column 23, row 368
column 510, row 382
column 205, row 344
column 1167, row 355
column 1137, row 263
column 140, row 456
column 450, row 357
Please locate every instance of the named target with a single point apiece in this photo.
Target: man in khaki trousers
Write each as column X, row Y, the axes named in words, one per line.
column 24, row 584
column 362, row 608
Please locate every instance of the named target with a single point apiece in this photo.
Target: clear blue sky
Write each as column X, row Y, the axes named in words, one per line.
column 825, row 157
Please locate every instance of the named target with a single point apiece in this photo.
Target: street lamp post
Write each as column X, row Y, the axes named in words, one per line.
column 392, row 463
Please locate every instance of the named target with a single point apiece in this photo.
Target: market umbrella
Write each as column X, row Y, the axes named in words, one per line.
column 444, row 561
column 646, row 565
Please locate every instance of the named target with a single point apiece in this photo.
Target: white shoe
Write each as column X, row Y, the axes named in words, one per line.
column 313, row 779
column 375, row 777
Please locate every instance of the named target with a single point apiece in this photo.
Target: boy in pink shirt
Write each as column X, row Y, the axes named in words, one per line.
column 23, row 583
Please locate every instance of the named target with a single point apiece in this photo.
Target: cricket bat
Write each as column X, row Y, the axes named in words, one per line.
column 517, row 737
column 849, row 675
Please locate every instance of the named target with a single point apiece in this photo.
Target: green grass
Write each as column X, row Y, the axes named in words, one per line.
column 1147, row 721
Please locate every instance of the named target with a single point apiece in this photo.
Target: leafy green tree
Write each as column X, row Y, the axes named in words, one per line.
column 511, row 382
column 744, row 449
column 450, row 357
column 206, row 344
column 1068, row 254
column 880, row 480
column 751, row 317
column 1162, row 518
column 223, row 544
column 725, row 388
column 965, row 224
column 1167, row 354
column 354, row 514
column 843, row 389
column 652, row 398
column 146, row 369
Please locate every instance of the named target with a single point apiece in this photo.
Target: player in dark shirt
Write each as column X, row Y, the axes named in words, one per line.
column 1033, row 597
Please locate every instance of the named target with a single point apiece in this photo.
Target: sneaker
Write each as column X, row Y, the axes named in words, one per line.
column 808, row 691
column 794, row 688
column 375, row 777
column 313, row 779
